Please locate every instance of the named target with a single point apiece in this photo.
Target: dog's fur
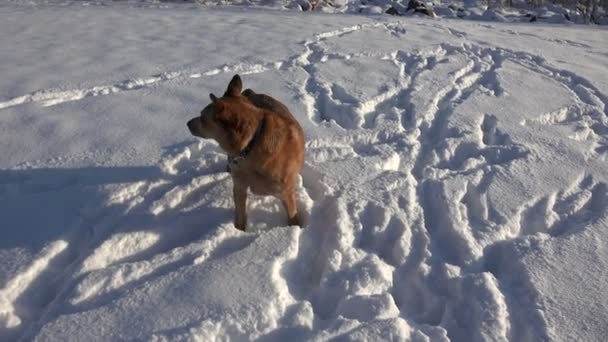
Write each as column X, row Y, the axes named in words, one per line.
column 277, row 155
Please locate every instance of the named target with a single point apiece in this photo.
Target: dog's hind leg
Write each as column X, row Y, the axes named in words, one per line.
column 240, row 206
column 289, row 201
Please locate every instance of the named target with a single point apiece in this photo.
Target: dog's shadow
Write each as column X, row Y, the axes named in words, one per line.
column 38, row 206
column 57, row 217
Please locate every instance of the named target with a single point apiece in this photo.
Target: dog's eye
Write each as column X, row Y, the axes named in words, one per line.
column 206, row 118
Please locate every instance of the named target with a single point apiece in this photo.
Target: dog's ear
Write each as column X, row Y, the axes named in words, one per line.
column 219, row 106
column 234, row 87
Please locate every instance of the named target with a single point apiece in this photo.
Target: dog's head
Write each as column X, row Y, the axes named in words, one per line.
column 220, row 118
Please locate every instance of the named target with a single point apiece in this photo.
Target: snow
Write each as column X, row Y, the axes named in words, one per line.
column 455, row 184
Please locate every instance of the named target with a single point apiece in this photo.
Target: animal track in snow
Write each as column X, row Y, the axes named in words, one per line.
column 434, row 119
column 582, row 122
column 52, row 97
column 495, row 148
column 491, row 135
column 566, row 211
column 590, row 106
column 551, row 40
column 479, row 224
column 392, row 231
column 384, row 234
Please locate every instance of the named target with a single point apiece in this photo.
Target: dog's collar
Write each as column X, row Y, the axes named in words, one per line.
column 233, row 161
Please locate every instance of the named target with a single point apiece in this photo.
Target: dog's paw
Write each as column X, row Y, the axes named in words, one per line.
column 240, row 225
column 295, row 221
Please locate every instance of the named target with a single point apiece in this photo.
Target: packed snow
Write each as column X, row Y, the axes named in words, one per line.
column 455, row 184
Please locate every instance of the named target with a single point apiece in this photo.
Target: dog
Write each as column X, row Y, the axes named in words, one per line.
column 264, row 143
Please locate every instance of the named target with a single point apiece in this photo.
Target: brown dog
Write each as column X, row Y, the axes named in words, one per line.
column 264, row 143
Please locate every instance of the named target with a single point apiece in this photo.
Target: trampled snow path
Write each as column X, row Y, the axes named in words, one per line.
column 414, row 192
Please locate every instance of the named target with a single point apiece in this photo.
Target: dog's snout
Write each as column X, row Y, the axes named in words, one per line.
column 195, row 128
column 190, row 124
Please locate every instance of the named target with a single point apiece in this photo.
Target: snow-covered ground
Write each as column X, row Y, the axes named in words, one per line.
column 455, row 184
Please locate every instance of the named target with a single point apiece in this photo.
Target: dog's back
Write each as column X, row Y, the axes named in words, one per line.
column 269, row 103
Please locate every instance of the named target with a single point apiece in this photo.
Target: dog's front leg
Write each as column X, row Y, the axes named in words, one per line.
column 289, row 201
column 240, row 205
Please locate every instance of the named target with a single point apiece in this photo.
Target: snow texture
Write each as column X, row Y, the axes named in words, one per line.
column 455, row 184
